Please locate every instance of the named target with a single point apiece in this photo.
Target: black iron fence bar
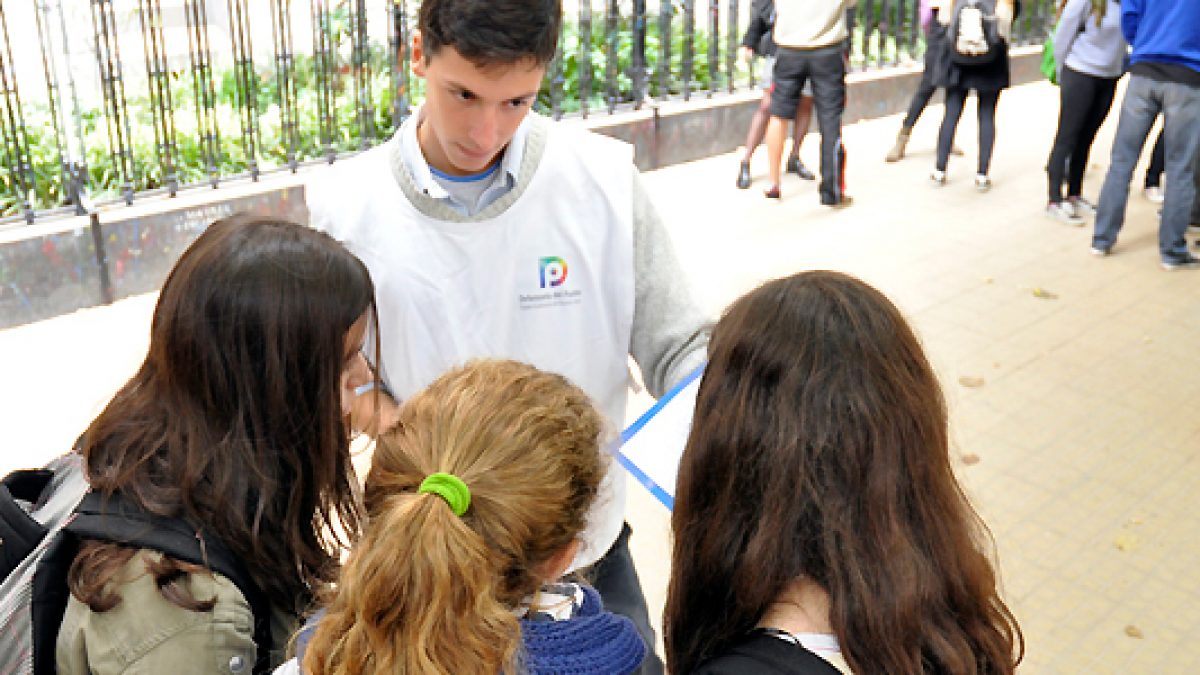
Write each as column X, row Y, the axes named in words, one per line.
column 665, row 10
column 12, row 127
column 637, row 59
column 246, row 81
column 398, row 55
column 159, row 83
column 200, row 61
column 285, row 77
column 77, row 156
column 323, row 75
column 914, row 31
column 584, row 59
column 41, row 14
column 612, row 21
column 689, row 46
column 361, row 67
column 714, row 46
column 112, row 83
column 733, row 38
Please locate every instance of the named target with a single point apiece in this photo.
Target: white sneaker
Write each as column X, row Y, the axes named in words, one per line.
column 938, row 177
column 1065, row 212
column 982, row 182
column 1083, row 208
column 1154, row 193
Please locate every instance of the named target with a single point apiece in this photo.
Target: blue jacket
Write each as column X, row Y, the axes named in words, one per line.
column 1163, row 31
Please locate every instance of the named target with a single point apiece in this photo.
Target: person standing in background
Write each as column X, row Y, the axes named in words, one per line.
column 810, row 35
column 1164, row 78
column 1090, row 52
column 758, row 42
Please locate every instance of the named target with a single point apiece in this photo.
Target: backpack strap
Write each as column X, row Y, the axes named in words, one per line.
column 117, row 519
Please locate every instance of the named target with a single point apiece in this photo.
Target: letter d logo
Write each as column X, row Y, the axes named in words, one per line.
column 553, row 271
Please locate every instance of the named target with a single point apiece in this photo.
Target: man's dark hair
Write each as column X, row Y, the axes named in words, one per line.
column 492, row 32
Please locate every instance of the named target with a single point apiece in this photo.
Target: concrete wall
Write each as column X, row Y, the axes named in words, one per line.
column 59, row 266
column 676, row 131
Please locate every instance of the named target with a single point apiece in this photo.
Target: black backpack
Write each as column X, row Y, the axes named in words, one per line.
column 44, row 513
column 974, row 36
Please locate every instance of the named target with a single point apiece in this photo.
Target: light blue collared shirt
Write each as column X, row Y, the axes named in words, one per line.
column 465, row 197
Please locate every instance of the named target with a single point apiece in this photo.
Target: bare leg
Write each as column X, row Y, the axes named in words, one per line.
column 776, row 130
column 758, row 126
column 800, row 126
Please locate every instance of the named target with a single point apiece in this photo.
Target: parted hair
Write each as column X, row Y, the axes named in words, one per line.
column 233, row 422
column 492, row 32
column 426, row 591
column 820, row 448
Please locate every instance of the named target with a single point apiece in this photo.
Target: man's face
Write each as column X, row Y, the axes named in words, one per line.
column 470, row 113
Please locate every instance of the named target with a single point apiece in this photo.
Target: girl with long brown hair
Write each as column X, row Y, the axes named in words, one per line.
column 233, row 425
column 818, row 523
column 475, row 502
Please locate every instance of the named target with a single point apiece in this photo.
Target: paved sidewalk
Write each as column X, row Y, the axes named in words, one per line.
column 1069, row 377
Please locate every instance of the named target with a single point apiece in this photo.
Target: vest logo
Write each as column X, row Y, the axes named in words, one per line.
column 552, row 271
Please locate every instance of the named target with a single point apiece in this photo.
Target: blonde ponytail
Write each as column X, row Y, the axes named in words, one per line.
column 427, row 591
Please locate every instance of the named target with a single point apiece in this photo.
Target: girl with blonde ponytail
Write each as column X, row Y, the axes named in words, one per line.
column 475, row 500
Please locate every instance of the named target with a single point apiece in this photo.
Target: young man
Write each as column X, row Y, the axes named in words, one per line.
column 1164, row 77
column 811, row 36
column 492, row 232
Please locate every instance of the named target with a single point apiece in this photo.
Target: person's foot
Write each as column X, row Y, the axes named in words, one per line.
column 794, row 165
column 938, row 177
column 743, row 179
column 982, row 182
column 1065, row 212
column 843, row 202
column 1100, row 251
column 1083, row 208
column 772, row 192
column 897, row 152
column 1185, row 261
column 1154, row 193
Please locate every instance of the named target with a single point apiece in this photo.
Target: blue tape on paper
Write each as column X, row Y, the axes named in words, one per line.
column 655, row 489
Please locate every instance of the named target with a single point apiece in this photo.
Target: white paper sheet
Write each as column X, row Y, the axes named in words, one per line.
column 652, row 446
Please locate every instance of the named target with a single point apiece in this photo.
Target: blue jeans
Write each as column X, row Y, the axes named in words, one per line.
column 1180, row 106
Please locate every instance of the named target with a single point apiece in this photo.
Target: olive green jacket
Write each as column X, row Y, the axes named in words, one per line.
column 148, row 635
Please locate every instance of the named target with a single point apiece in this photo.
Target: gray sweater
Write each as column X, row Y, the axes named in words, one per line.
column 1086, row 48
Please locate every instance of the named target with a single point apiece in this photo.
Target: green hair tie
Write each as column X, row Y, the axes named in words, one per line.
column 448, row 487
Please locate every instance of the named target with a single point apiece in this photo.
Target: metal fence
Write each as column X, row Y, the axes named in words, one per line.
column 111, row 100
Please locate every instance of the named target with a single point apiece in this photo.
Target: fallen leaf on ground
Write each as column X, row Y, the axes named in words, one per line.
column 988, row 280
column 971, row 381
column 1125, row 541
column 1134, row 632
column 970, row 459
column 1044, row 294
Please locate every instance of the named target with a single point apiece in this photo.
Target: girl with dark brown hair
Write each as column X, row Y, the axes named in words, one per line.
column 234, row 424
column 817, row 518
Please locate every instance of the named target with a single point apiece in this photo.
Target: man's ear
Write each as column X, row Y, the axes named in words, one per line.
column 418, row 54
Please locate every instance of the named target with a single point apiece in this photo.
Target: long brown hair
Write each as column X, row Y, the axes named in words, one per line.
column 819, row 448
column 234, row 421
column 427, row 591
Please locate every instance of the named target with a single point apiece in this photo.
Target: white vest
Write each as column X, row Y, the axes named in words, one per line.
column 549, row 281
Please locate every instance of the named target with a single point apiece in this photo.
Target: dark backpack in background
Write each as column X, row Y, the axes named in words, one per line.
column 44, row 513
column 974, row 36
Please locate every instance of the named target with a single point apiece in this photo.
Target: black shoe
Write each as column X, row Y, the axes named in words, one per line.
column 794, row 165
column 846, row 200
column 743, row 180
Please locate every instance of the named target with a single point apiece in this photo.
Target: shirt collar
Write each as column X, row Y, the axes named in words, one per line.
column 418, row 167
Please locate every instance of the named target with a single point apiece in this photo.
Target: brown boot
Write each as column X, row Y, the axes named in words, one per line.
column 897, row 152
